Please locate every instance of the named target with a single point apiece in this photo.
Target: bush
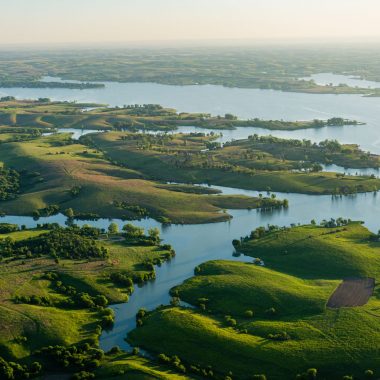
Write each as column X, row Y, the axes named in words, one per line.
column 74, row 243
column 248, row 314
column 6, row 228
column 271, row 312
column 114, row 350
column 83, row 375
column 230, row 321
column 283, row 336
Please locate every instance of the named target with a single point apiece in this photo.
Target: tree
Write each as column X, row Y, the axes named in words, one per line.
column 154, row 233
column 113, row 228
column 101, row 300
column 248, row 313
column 133, row 231
column 6, row 371
column 311, row 373
column 69, row 213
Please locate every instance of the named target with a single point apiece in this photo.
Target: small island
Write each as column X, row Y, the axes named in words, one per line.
column 44, row 113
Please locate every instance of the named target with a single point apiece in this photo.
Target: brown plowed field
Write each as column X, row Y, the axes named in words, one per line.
column 352, row 292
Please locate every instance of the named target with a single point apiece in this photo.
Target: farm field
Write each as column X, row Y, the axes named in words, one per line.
column 352, row 292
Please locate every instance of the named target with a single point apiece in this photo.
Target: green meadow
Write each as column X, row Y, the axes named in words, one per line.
column 257, row 163
column 58, row 171
column 250, row 319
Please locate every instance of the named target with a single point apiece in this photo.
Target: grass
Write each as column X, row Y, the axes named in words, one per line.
column 53, row 165
column 317, row 252
column 233, row 288
column 134, row 367
column 241, row 164
column 297, row 285
column 42, row 325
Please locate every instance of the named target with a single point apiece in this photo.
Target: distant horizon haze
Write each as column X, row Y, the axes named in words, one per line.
column 186, row 22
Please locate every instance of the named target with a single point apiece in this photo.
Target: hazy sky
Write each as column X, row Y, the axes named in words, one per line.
column 60, row 21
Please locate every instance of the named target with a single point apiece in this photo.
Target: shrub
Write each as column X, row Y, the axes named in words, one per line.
column 230, row 321
column 83, row 375
column 248, row 314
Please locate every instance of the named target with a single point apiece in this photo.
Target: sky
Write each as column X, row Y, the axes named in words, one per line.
column 131, row 21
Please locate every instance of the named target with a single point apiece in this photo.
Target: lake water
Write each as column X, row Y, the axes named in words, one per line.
column 245, row 103
column 337, row 79
column 195, row 244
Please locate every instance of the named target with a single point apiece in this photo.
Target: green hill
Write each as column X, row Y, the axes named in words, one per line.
column 273, row 320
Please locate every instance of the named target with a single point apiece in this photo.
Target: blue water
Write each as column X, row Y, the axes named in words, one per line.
column 245, row 103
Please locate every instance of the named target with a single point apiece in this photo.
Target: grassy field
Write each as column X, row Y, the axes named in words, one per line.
column 121, row 366
column 52, row 166
column 42, row 325
column 278, row 323
column 311, row 252
column 243, row 164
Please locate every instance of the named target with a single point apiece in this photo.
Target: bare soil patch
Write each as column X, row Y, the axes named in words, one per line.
column 352, row 292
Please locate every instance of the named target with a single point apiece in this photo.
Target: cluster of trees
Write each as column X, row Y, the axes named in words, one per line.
column 173, row 361
column 137, row 211
column 145, row 109
column 213, row 145
column 312, row 374
column 47, row 211
column 7, row 98
column 72, row 243
column 339, row 121
column 74, row 358
column 76, row 298
column 33, row 300
column 9, row 184
column 282, row 336
column 16, row 371
column 122, row 279
column 178, row 365
column 332, row 223
column 328, row 145
column 6, row 228
column 230, row 321
column 41, row 84
column 136, row 235
column 262, row 231
column 258, row 233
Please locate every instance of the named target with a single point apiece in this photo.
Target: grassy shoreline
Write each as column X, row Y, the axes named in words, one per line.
column 273, row 319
